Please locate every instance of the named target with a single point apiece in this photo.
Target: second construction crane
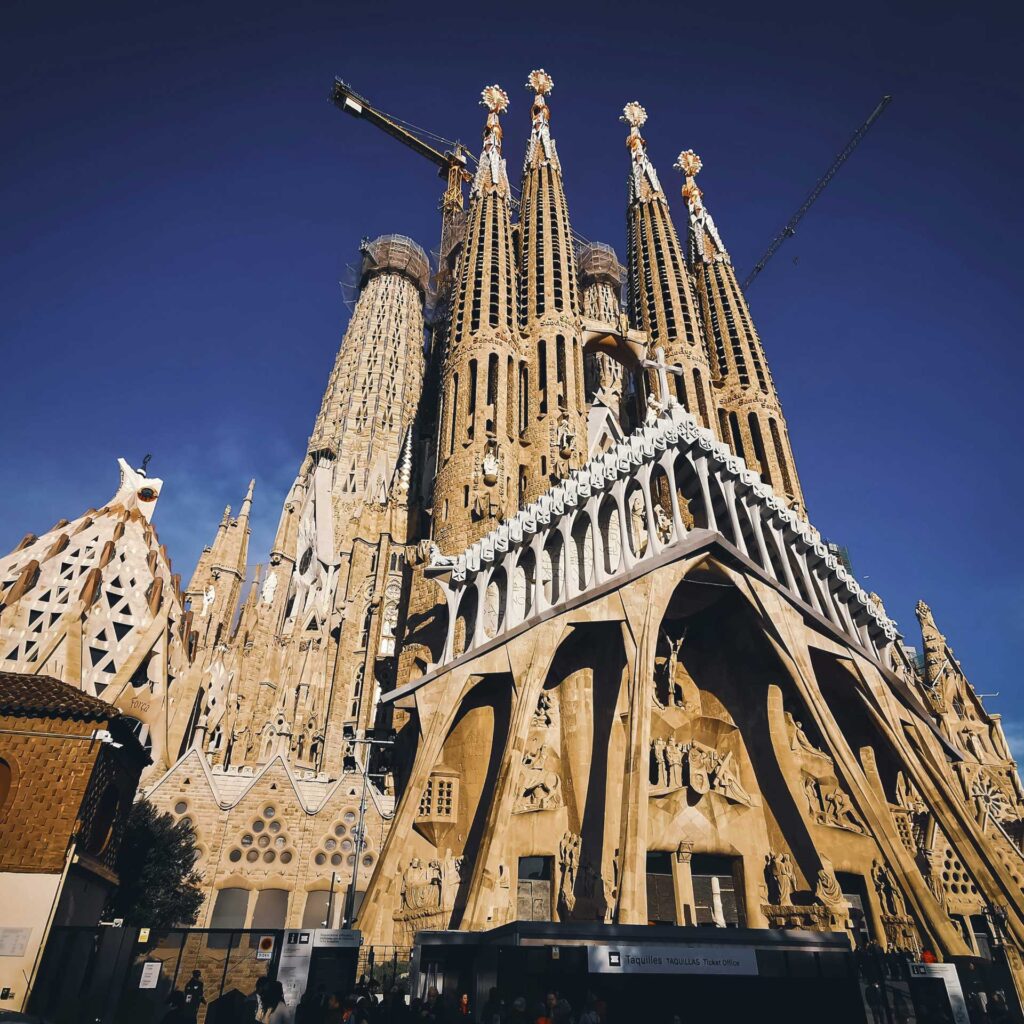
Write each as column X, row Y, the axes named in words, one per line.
column 790, row 229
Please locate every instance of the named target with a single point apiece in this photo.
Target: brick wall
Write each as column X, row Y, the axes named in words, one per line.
column 50, row 778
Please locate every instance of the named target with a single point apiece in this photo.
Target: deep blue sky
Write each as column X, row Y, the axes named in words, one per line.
column 179, row 202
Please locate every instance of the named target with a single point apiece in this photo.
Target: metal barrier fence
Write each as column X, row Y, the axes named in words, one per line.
column 384, row 966
column 118, row 976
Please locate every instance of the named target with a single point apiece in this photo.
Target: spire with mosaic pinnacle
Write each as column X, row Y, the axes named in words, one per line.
column 749, row 414
column 477, row 467
column 553, row 413
column 661, row 298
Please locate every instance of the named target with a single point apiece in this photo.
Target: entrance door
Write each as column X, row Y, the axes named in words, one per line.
column 533, row 896
column 661, row 893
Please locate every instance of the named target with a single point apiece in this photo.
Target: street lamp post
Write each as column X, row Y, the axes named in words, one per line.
column 330, row 905
column 350, row 896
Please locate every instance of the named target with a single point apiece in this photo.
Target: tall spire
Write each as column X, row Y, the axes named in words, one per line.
column 554, row 411
column 661, row 297
column 750, row 416
column 247, row 501
column 480, row 374
column 216, row 583
column 491, row 174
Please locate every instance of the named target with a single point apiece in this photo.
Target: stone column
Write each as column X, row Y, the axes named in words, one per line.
column 682, row 883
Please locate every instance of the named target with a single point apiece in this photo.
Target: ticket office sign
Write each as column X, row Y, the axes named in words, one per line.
column 700, row 960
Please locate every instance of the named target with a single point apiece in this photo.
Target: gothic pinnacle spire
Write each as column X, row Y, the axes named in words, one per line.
column 690, row 164
column 702, row 225
column 541, row 147
column 247, row 501
column 644, row 184
column 491, row 174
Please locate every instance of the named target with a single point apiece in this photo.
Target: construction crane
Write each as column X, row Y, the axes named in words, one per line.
column 790, row 229
column 451, row 164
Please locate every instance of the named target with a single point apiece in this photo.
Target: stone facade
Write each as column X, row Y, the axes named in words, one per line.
column 564, row 554
column 94, row 602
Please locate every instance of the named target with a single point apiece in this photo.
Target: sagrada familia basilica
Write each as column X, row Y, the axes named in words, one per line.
column 549, row 533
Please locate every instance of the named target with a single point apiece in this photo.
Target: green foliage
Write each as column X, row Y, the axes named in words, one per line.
column 159, row 886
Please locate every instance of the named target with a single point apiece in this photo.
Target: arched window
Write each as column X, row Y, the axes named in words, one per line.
column 492, row 394
column 455, row 413
column 542, row 375
column 510, row 398
column 6, row 785
column 101, row 828
column 270, row 910
column 314, row 915
column 471, row 401
column 701, row 403
column 524, row 397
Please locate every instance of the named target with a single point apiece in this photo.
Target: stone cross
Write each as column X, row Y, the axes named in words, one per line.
column 663, row 370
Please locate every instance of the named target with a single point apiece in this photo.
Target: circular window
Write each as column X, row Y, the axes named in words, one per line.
column 269, row 856
column 339, row 829
column 330, row 844
column 257, row 825
column 146, row 494
column 367, row 860
column 235, row 856
column 346, row 844
column 286, row 857
column 320, row 858
column 351, row 858
column 185, row 821
column 336, row 859
column 247, row 840
column 275, row 826
column 180, row 807
column 350, row 816
column 252, row 856
column 280, row 841
column 264, row 842
column 269, row 811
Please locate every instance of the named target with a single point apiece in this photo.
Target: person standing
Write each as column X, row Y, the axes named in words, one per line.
column 275, row 1009
column 194, row 997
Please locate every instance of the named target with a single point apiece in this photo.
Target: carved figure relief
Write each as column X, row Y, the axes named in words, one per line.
column 663, row 524
column 827, row 890
column 269, row 588
column 889, row 896
column 566, row 438
column 778, row 871
column 540, row 788
column 542, row 713
column 430, row 886
column 798, row 740
column 672, row 686
column 829, row 805
column 839, row 813
column 568, row 864
column 490, row 467
column 702, row 768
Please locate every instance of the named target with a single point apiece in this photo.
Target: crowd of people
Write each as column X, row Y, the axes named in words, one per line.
column 887, row 1001
column 368, row 1004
